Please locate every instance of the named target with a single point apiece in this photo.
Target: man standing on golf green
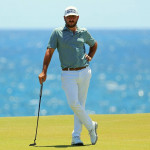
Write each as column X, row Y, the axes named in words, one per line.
column 76, row 73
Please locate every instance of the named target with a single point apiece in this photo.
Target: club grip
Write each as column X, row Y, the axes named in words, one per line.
column 41, row 90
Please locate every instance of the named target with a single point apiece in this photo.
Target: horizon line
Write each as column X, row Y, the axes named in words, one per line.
column 89, row 28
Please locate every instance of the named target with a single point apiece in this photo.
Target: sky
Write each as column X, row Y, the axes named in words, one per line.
column 102, row 14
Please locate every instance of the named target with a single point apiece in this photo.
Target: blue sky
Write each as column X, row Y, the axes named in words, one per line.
column 103, row 14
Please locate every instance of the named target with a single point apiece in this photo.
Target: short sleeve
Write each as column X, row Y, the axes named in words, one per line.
column 53, row 40
column 89, row 39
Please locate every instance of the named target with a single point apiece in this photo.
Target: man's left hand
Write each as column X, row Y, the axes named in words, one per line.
column 88, row 58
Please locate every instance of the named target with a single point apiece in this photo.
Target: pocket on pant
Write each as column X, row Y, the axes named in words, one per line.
column 88, row 72
column 62, row 82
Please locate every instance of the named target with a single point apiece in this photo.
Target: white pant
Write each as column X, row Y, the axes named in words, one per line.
column 75, row 85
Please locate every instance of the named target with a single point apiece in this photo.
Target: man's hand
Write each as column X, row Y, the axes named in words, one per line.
column 88, row 58
column 42, row 77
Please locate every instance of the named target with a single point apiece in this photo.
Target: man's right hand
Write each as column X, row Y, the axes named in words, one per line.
column 42, row 77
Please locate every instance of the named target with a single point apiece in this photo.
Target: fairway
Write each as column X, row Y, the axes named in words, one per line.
column 116, row 132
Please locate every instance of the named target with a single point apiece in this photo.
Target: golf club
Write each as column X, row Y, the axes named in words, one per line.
column 38, row 116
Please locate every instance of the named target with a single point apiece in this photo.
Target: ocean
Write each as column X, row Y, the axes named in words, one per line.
column 120, row 82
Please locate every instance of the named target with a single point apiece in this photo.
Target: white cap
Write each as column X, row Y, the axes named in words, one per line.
column 71, row 11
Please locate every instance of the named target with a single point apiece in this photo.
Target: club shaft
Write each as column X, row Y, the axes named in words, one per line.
column 38, row 111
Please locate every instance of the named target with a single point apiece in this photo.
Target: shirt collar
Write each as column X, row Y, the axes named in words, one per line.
column 66, row 29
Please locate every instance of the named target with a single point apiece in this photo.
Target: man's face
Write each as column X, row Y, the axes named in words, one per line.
column 71, row 20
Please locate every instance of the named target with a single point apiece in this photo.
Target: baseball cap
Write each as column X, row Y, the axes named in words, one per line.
column 71, row 11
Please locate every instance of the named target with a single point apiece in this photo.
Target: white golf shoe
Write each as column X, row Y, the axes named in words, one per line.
column 76, row 141
column 93, row 133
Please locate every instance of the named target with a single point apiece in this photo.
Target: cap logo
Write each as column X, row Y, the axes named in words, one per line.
column 71, row 11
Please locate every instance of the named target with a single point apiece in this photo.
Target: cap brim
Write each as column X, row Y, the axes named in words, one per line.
column 71, row 14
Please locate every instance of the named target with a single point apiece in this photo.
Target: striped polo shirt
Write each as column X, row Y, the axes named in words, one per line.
column 71, row 46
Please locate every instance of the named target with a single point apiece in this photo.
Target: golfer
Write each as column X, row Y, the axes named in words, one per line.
column 76, row 73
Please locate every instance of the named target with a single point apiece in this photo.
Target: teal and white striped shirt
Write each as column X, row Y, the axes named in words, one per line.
column 71, row 46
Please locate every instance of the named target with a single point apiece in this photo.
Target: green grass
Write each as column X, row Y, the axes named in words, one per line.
column 116, row 132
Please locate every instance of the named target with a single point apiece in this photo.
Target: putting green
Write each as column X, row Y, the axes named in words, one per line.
column 116, row 132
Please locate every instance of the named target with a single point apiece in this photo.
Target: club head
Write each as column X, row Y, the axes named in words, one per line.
column 32, row 144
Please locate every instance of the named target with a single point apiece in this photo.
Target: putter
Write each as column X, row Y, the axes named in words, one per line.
column 33, row 144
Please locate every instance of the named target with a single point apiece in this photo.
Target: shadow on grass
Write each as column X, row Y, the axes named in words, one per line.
column 62, row 146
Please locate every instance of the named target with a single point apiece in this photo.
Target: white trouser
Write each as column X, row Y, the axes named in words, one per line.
column 75, row 85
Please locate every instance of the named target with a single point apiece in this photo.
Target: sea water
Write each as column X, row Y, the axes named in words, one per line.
column 120, row 82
